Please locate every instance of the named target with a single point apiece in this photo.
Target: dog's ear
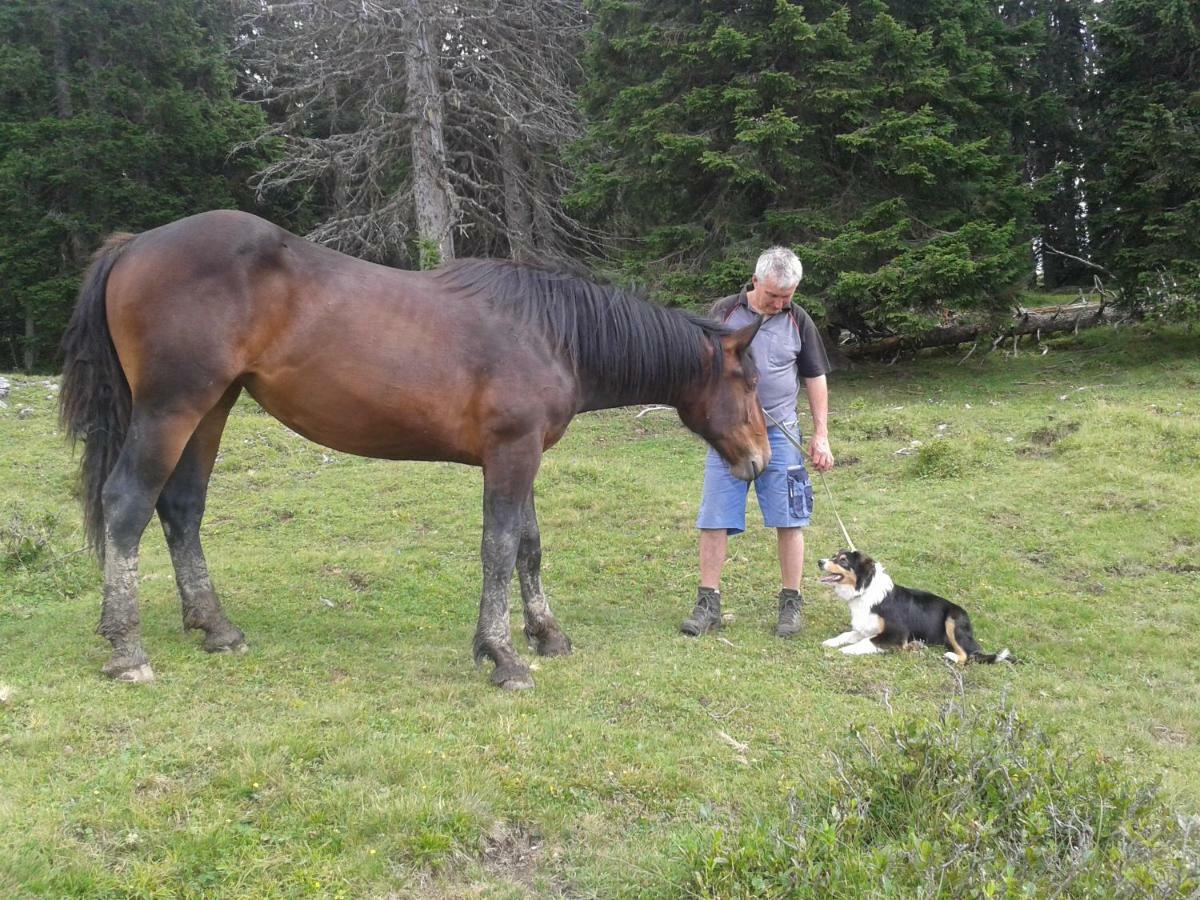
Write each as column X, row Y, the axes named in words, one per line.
column 866, row 572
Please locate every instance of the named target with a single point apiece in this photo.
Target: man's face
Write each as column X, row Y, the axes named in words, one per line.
column 769, row 297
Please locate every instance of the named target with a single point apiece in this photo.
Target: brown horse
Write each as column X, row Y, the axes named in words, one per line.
column 479, row 362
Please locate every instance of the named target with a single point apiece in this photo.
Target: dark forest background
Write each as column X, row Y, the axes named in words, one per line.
column 930, row 161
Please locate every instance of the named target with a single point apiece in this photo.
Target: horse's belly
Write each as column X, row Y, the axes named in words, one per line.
column 396, row 426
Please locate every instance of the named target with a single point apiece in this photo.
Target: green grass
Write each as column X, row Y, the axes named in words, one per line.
column 356, row 752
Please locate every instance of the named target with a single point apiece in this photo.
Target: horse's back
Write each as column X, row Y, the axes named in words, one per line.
column 222, row 290
column 357, row 356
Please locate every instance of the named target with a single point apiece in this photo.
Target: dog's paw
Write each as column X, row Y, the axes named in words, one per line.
column 832, row 642
column 862, row 648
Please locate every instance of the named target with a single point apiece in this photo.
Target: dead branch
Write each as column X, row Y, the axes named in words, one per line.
column 1070, row 318
column 334, row 76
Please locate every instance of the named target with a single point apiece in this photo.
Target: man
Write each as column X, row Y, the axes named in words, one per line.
column 786, row 349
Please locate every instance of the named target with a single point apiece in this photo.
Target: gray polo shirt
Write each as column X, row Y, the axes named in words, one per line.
column 786, row 349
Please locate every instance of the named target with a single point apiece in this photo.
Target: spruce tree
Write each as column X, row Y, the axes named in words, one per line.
column 1145, row 185
column 1049, row 131
column 114, row 114
column 875, row 139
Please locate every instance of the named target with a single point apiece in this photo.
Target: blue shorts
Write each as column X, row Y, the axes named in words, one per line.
column 785, row 494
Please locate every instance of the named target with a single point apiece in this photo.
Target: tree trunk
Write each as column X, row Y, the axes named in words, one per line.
column 65, row 110
column 62, row 87
column 518, row 215
column 1066, row 319
column 30, row 354
column 431, row 194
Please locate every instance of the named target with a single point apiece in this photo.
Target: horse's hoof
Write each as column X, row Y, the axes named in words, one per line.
column 556, row 644
column 239, row 648
column 517, row 684
column 226, row 642
column 512, row 678
column 142, row 674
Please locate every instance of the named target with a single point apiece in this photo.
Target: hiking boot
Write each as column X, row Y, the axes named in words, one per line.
column 706, row 616
column 791, row 613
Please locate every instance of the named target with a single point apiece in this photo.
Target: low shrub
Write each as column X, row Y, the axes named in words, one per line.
column 940, row 459
column 973, row 804
column 24, row 543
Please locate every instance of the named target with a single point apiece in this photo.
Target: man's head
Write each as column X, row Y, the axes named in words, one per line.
column 776, row 276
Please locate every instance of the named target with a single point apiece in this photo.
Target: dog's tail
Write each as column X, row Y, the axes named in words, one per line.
column 1002, row 656
column 962, row 641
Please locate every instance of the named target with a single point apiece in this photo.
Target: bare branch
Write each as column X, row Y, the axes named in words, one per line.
column 335, row 77
column 1079, row 259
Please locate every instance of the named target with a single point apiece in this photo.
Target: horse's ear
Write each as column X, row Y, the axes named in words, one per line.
column 740, row 339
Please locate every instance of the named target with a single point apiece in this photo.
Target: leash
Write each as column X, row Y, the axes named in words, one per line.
column 795, row 443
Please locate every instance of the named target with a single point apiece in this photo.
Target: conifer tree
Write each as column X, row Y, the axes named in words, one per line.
column 1049, row 132
column 875, row 139
column 114, row 114
column 1145, row 180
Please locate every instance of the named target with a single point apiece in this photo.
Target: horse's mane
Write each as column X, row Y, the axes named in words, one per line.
column 614, row 337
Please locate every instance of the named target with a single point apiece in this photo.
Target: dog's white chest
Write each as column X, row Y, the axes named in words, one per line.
column 861, row 617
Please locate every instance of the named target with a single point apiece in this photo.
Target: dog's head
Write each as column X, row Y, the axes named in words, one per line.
column 850, row 572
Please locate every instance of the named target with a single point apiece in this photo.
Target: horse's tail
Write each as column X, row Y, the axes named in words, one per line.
column 95, row 402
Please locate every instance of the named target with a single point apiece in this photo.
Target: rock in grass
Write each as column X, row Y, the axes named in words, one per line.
column 5, row 694
column 5, row 387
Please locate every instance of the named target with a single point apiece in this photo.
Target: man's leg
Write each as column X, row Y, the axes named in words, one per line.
column 706, row 615
column 785, row 500
column 722, row 510
column 714, row 544
column 791, row 557
column 791, row 570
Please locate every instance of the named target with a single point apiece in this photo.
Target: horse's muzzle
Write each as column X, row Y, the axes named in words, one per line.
column 751, row 467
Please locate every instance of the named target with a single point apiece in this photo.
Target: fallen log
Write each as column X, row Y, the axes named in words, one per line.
column 1048, row 320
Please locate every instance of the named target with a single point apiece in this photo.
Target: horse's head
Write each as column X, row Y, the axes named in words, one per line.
column 724, row 409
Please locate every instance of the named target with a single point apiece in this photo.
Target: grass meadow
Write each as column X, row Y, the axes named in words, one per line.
column 356, row 752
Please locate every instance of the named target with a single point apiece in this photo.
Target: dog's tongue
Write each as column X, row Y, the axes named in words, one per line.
column 830, row 579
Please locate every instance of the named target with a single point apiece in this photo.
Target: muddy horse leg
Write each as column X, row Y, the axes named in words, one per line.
column 180, row 509
column 152, row 448
column 541, row 628
column 507, row 480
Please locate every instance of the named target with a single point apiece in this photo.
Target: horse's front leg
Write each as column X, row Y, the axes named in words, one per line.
column 507, row 481
column 541, row 628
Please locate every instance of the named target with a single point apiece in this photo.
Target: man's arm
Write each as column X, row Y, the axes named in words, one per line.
column 818, row 401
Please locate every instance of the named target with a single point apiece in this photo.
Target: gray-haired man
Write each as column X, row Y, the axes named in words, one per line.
column 786, row 349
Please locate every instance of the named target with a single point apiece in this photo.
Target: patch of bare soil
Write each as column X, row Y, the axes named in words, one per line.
column 1043, row 441
column 1171, row 736
column 512, row 853
column 511, row 857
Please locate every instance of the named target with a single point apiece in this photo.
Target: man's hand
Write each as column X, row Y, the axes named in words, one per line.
column 820, row 454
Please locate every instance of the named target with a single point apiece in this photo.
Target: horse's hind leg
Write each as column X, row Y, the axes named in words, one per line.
column 541, row 628
column 155, row 441
column 507, row 481
column 180, row 509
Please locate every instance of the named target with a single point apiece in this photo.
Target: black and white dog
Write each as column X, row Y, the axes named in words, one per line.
column 883, row 614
